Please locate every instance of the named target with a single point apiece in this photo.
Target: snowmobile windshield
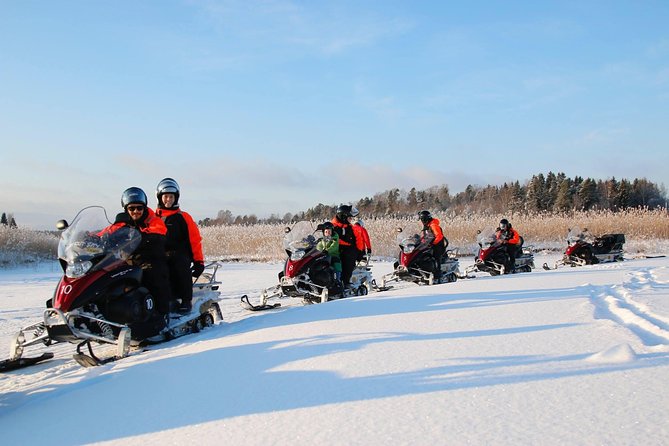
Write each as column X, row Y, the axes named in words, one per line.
column 302, row 237
column 487, row 237
column 408, row 243
column 83, row 241
column 577, row 235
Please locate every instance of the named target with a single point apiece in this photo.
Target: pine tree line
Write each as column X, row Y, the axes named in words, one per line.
column 542, row 193
column 8, row 220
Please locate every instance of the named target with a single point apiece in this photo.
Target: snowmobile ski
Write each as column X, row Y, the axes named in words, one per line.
column 246, row 304
column 378, row 288
column 8, row 365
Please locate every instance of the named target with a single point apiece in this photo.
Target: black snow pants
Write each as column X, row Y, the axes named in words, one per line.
column 348, row 256
column 181, row 279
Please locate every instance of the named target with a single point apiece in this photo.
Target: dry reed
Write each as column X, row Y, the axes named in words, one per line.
column 263, row 242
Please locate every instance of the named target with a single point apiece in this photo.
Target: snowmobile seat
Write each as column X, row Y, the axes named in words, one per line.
column 610, row 242
column 519, row 247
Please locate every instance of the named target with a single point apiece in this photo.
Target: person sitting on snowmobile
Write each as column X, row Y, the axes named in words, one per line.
column 359, row 226
column 150, row 255
column 508, row 236
column 432, row 231
column 361, row 236
column 183, row 244
column 330, row 244
column 349, row 245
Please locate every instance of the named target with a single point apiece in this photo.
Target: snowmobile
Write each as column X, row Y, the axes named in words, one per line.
column 100, row 298
column 417, row 264
column 492, row 256
column 308, row 273
column 585, row 249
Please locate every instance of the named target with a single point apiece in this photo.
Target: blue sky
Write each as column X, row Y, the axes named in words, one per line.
column 274, row 106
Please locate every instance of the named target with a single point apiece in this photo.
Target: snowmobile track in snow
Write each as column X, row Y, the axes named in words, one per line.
column 624, row 305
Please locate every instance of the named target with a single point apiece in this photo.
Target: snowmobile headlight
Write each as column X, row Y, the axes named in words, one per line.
column 76, row 270
column 408, row 249
column 297, row 255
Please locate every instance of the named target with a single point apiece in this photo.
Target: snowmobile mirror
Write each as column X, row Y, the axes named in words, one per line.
column 61, row 224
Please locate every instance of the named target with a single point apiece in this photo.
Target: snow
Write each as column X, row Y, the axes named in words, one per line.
column 569, row 356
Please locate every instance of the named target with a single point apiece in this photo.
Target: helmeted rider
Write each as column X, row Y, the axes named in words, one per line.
column 150, row 254
column 433, row 234
column 330, row 244
column 361, row 235
column 364, row 235
column 349, row 245
column 508, row 236
column 183, row 245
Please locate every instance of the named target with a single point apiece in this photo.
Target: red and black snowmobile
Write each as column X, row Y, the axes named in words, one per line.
column 100, row 298
column 307, row 273
column 417, row 264
column 585, row 249
column 493, row 257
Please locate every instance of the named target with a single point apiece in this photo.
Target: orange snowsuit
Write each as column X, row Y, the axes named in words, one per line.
column 433, row 226
column 362, row 235
column 510, row 236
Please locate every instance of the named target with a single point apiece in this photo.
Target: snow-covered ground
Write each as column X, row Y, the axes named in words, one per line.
column 564, row 357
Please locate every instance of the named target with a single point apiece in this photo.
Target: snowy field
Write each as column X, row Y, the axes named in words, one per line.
column 575, row 356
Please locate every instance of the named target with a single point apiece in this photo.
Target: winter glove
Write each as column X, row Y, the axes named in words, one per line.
column 360, row 255
column 197, row 269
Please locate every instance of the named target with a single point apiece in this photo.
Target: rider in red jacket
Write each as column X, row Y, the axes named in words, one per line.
column 183, row 246
column 360, row 229
column 508, row 236
column 349, row 244
column 150, row 255
column 432, row 230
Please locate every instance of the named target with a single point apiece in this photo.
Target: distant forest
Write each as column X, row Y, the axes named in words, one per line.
column 543, row 193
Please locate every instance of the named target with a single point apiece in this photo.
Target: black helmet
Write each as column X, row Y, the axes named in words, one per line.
column 167, row 186
column 327, row 225
column 425, row 216
column 504, row 224
column 343, row 212
column 133, row 195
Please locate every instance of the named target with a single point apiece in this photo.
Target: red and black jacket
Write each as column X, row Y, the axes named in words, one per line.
column 183, row 235
column 152, row 229
column 347, row 238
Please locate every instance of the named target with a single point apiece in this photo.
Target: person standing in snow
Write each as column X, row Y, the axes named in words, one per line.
column 433, row 234
column 363, row 235
column 183, row 244
column 348, row 244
